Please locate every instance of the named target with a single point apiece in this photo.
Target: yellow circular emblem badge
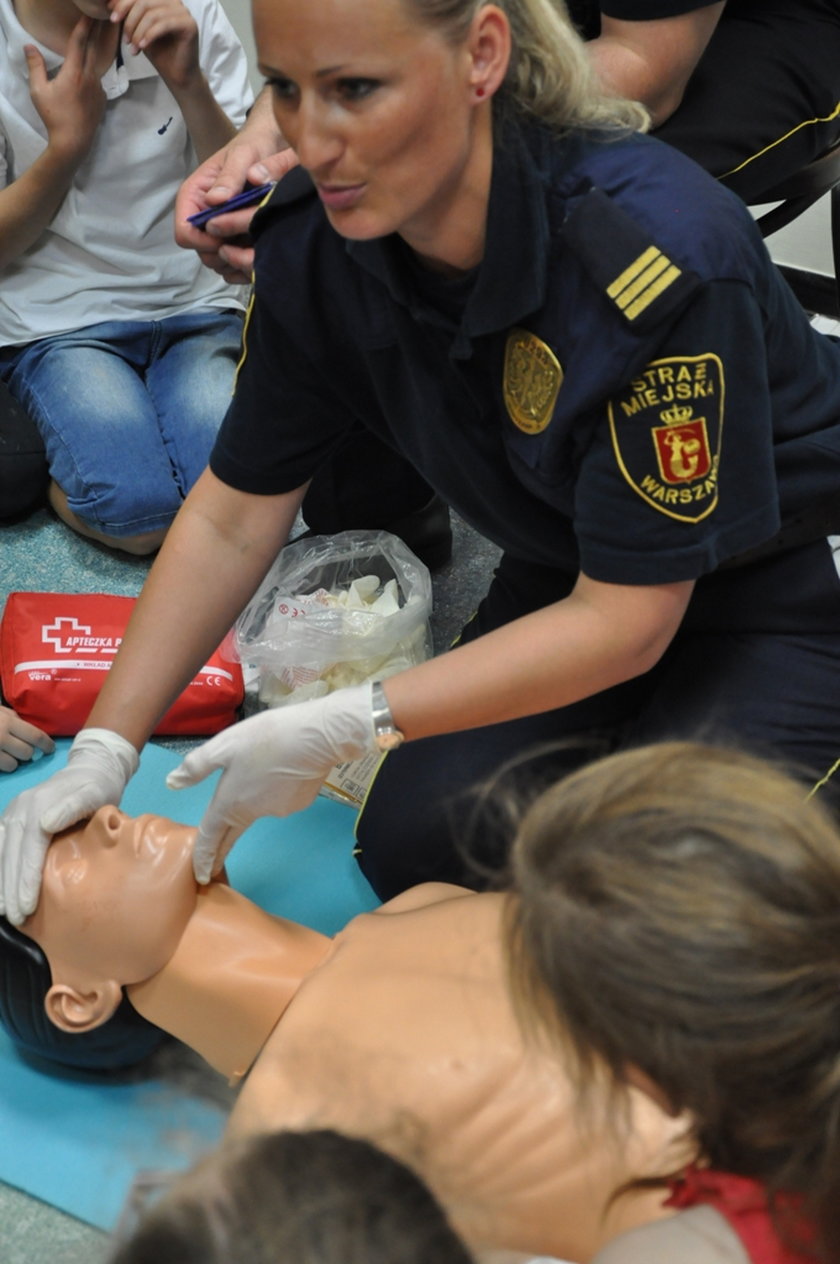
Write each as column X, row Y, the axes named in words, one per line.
column 532, row 378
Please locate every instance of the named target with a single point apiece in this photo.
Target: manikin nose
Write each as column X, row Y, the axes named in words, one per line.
column 108, row 820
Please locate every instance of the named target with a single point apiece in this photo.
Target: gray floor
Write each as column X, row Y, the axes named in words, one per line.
column 39, row 554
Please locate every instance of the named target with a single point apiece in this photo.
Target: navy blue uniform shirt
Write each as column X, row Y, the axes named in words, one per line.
column 586, row 14
column 626, row 386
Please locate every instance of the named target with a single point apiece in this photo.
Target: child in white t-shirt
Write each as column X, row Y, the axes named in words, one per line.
column 119, row 345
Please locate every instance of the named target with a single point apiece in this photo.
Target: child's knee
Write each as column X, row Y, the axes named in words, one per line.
column 119, row 523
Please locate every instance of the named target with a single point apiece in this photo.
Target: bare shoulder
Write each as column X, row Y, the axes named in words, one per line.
column 697, row 1236
column 424, row 894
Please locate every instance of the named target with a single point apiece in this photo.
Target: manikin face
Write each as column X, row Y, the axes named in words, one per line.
column 381, row 110
column 116, row 896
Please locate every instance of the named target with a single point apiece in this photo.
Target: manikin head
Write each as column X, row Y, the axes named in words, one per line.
column 121, row 920
column 116, row 897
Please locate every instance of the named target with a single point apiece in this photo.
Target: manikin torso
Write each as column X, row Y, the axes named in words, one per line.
column 403, row 1033
column 399, row 1029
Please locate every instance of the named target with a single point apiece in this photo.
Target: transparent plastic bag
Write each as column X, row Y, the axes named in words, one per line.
column 335, row 611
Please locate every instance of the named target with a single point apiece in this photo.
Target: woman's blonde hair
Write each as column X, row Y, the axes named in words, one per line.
column 677, row 909
column 549, row 76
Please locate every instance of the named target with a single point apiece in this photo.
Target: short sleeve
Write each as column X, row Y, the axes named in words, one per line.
column 286, row 415
column 647, row 10
column 680, row 474
column 223, row 60
column 698, row 1236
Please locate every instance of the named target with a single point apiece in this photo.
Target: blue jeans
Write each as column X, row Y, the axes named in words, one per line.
column 128, row 411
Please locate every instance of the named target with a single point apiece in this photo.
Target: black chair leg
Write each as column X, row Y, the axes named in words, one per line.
column 835, row 244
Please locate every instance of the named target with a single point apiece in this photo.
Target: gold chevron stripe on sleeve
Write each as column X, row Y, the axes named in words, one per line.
column 643, row 281
column 653, row 291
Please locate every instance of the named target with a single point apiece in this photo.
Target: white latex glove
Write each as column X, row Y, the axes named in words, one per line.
column 272, row 764
column 99, row 766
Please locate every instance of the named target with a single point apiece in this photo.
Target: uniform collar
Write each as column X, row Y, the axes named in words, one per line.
column 511, row 280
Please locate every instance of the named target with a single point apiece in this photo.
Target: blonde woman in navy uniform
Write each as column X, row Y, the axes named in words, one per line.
column 577, row 337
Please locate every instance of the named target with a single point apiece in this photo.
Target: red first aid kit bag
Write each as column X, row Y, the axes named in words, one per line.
column 54, row 648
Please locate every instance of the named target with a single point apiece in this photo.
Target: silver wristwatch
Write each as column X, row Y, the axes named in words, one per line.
column 385, row 732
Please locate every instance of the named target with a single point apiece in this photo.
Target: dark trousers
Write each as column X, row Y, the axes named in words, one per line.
column 364, row 485
column 764, row 99
column 772, row 693
column 23, row 463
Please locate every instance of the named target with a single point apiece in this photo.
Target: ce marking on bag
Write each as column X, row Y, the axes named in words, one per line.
column 214, row 677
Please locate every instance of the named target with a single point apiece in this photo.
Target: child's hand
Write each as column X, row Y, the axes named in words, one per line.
column 72, row 104
column 19, row 740
column 166, row 32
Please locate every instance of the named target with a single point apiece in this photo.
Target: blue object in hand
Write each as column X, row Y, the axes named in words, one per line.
column 250, row 194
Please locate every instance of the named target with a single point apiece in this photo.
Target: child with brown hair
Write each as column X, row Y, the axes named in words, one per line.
column 676, row 920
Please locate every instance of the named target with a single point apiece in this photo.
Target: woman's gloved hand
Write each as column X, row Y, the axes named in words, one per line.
column 99, row 766
column 272, row 764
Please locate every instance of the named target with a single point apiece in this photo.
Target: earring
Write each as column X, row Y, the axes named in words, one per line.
column 480, row 92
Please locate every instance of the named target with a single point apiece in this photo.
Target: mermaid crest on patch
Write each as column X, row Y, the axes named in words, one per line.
column 666, row 432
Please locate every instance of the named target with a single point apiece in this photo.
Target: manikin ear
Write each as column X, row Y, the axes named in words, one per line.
column 74, row 1011
column 489, row 48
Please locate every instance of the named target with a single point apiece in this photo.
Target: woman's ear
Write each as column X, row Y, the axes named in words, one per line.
column 639, row 1079
column 489, row 48
column 74, row 1011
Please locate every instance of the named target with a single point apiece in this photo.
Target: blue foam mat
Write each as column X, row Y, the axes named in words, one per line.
column 78, row 1142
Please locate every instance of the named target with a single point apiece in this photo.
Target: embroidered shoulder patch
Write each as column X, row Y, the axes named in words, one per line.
column 532, row 379
column 666, row 432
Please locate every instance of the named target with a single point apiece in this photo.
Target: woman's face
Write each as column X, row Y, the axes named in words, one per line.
column 382, row 112
column 116, row 896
